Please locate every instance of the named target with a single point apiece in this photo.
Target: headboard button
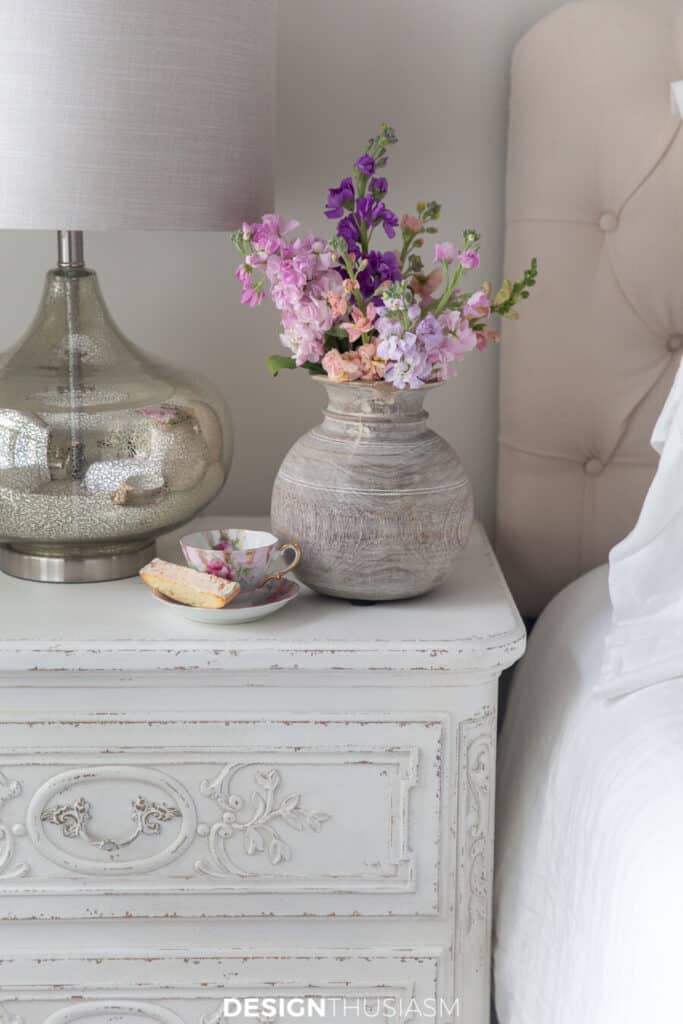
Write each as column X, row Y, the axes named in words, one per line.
column 609, row 222
column 593, row 467
column 675, row 343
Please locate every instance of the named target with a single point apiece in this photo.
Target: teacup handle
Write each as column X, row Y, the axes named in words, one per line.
column 291, row 545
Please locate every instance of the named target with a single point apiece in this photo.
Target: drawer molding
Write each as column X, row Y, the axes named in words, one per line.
column 255, row 827
column 477, row 745
column 114, row 1008
column 163, row 987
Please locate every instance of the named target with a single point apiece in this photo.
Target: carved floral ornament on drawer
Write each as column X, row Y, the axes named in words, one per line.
column 255, row 823
column 5, row 1016
column 9, row 789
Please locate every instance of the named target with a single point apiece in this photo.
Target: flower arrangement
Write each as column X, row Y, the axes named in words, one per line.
column 357, row 313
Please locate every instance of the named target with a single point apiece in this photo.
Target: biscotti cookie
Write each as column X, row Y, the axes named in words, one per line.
column 187, row 586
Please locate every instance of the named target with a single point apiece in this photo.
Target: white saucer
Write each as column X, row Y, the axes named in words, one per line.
column 245, row 608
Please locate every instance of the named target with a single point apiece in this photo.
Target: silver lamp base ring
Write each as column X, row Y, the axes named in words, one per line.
column 94, row 568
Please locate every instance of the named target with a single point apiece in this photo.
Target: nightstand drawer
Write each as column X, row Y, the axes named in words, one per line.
column 147, row 816
column 162, row 988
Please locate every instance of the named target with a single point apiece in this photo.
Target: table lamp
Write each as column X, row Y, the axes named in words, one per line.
column 133, row 114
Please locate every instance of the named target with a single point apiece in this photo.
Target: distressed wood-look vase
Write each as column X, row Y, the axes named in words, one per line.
column 380, row 503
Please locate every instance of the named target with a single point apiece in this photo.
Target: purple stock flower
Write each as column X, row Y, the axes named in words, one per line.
column 366, row 209
column 390, row 222
column 338, row 197
column 348, row 230
column 366, row 164
column 379, row 186
column 382, row 266
column 373, row 211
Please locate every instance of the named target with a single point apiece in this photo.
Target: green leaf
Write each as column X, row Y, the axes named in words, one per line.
column 337, row 333
column 337, row 338
column 277, row 363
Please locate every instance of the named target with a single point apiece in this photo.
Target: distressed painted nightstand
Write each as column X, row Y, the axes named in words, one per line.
column 299, row 806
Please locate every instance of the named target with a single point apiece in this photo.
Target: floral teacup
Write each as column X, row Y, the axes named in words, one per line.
column 245, row 556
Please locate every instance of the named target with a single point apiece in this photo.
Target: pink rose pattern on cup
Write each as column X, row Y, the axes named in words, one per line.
column 241, row 556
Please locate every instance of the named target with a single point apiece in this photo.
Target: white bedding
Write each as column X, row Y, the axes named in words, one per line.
column 589, row 885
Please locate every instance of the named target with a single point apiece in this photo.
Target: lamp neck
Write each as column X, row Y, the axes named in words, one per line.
column 70, row 250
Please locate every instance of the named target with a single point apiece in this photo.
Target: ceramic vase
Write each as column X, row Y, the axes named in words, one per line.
column 378, row 501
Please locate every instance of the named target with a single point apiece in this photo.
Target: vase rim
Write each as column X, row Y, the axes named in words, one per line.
column 377, row 385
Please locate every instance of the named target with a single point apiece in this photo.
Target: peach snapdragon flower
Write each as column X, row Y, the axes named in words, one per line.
column 337, row 304
column 360, row 323
column 341, row 367
column 362, row 364
column 371, row 367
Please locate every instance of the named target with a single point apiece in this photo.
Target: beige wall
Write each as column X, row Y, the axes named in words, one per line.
column 436, row 70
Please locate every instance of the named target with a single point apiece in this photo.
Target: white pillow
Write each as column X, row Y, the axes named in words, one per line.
column 645, row 643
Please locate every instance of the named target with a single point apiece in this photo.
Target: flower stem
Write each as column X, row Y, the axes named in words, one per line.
column 449, row 289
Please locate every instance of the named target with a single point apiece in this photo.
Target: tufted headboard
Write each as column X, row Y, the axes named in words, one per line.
column 595, row 190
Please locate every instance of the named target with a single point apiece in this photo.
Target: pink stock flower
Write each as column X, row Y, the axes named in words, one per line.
column 450, row 320
column 469, row 259
column 252, row 292
column 360, row 323
column 445, row 252
column 477, row 306
column 465, row 340
column 412, row 223
column 340, row 368
column 325, row 282
column 305, row 340
column 300, row 273
column 485, row 336
column 267, row 235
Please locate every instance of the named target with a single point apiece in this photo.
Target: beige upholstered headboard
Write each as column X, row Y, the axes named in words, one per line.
column 595, row 190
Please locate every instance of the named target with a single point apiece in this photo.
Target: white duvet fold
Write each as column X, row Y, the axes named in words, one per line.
column 589, row 839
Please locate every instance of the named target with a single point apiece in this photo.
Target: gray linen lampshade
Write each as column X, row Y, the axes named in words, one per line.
column 118, row 115
column 133, row 114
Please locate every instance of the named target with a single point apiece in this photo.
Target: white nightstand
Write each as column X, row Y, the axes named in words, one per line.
column 298, row 806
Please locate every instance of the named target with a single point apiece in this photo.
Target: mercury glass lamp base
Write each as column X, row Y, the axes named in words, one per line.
column 95, row 568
